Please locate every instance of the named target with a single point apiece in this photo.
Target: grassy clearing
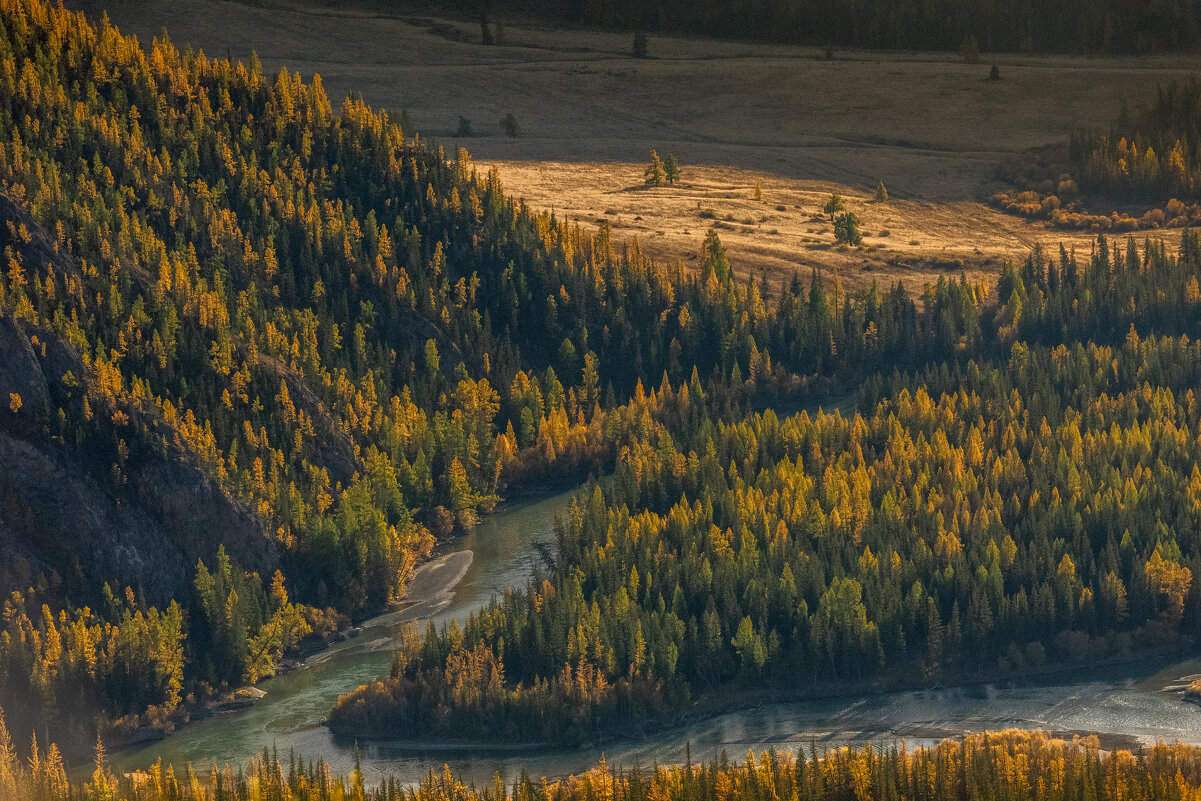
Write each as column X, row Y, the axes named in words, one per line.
column 931, row 128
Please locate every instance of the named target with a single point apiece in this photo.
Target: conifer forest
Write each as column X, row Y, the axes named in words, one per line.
column 281, row 360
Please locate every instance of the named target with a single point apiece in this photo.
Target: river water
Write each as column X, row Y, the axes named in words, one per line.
column 1125, row 706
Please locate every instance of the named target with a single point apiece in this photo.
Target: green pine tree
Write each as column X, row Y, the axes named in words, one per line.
column 654, row 172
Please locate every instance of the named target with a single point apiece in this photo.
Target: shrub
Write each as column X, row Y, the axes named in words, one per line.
column 1125, row 223
column 1067, row 189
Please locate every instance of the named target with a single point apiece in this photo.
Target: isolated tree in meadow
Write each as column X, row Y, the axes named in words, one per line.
column 671, row 168
column 654, row 171
column 881, row 193
column 834, row 205
column 846, row 229
column 995, row 73
column 969, row 51
column 639, row 44
column 759, row 191
column 485, row 31
column 464, row 131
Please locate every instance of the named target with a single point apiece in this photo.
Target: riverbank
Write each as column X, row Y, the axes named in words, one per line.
column 430, row 589
column 716, row 703
column 429, row 592
column 1117, row 702
column 733, row 699
column 459, row 578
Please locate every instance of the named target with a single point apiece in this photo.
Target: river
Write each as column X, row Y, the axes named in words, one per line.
column 1125, row 706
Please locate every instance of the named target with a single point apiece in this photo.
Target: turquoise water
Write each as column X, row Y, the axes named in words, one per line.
column 1125, row 705
column 501, row 553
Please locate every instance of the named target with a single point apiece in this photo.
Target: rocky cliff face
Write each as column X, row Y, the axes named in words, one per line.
column 61, row 514
column 57, row 519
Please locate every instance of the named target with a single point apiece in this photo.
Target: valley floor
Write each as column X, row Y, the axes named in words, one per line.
column 930, row 127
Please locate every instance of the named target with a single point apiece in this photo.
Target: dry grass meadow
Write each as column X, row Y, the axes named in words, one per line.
column 735, row 115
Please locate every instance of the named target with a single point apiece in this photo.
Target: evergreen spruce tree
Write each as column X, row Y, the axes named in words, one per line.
column 640, row 47
column 834, row 205
column 654, row 173
column 846, row 229
column 713, row 258
column 671, row 168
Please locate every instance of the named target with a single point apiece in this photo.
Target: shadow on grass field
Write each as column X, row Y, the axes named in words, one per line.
column 933, row 129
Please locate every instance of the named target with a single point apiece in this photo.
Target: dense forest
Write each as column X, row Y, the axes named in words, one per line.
column 278, row 349
column 1038, row 506
column 1012, row 765
column 1151, row 155
column 215, row 283
column 1147, row 163
column 1061, row 26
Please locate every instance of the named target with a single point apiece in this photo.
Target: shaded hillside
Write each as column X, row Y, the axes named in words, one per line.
column 262, row 350
column 59, row 508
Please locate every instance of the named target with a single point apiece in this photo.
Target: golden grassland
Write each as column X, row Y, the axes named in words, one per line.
column 735, row 114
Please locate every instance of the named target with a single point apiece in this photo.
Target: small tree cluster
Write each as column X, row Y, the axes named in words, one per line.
column 659, row 171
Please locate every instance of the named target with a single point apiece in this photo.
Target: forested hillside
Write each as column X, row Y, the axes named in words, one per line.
column 1032, row 501
column 258, row 353
column 261, row 352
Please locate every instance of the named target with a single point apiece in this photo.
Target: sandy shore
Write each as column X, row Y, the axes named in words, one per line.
column 431, row 589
